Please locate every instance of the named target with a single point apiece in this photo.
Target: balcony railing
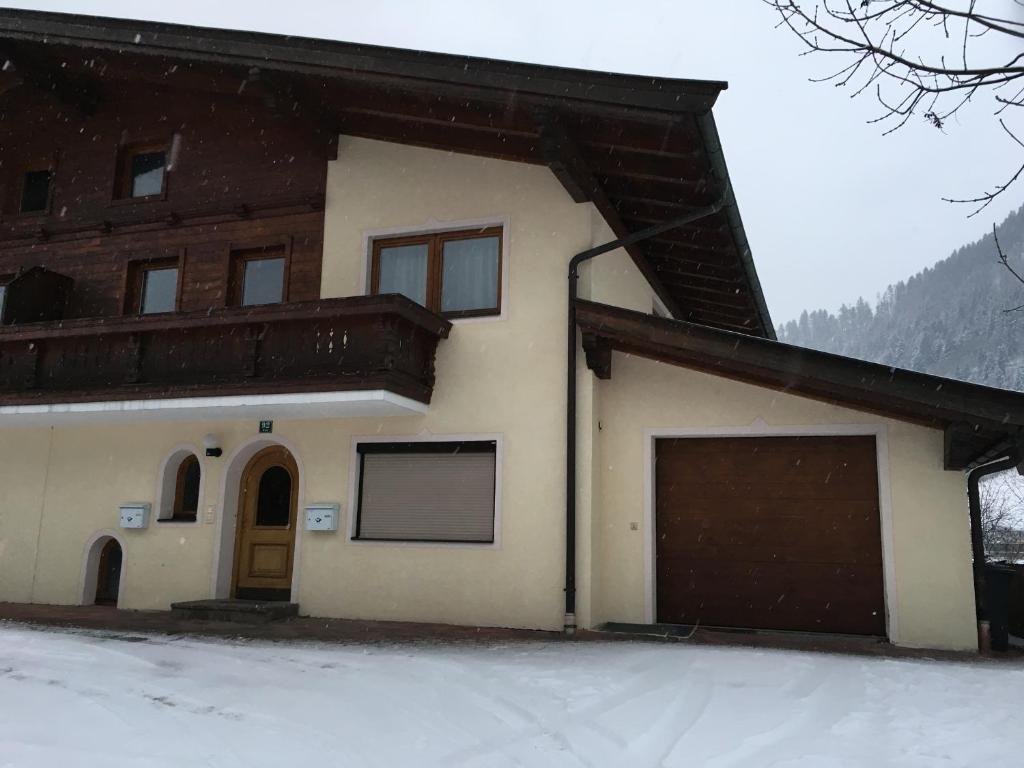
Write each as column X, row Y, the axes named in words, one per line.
column 355, row 343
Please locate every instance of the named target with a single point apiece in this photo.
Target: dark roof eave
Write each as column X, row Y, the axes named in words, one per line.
column 716, row 155
column 329, row 57
column 901, row 393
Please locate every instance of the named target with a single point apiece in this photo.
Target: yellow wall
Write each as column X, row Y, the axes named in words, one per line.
column 931, row 588
column 495, row 376
column 502, row 377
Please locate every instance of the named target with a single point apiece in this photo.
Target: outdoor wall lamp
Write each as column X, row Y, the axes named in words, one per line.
column 212, row 445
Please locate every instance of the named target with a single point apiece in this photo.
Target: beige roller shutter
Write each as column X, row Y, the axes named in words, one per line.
column 433, row 493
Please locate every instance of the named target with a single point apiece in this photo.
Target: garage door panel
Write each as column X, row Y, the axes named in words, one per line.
column 743, row 522
column 677, row 490
column 783, row 538
column 827, row 511
column 802, row 597
column 714, row 460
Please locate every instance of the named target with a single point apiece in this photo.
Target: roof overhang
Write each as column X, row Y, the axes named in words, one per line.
column 980, row 423
column 643, row 150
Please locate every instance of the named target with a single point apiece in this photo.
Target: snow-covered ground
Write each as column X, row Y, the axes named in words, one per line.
column 86, row 699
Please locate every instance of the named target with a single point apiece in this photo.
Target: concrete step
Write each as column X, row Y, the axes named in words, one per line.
column 241, row 611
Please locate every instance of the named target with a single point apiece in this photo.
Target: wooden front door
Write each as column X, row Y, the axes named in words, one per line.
column 267, row 516
column 770, row 533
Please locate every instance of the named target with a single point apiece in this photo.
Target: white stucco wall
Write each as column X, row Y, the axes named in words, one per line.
column 496, row 377
column 502, row 377
column 929, row 588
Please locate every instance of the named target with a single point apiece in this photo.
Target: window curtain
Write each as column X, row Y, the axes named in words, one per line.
column 403, row 269
column 470, row 274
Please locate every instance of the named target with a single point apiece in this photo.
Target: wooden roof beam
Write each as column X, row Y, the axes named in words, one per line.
column 566, row 162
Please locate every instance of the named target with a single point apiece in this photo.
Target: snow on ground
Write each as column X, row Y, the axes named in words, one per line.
column 90, row 699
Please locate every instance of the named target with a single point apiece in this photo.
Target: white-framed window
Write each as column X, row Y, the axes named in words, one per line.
column 181, row 488
column 426, row 491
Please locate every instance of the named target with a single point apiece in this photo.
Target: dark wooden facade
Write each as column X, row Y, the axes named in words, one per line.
column 241, row 175
column 643, row 150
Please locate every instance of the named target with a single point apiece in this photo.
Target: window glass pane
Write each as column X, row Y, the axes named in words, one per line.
column 147, row 174
column 159, row 290
column 190, row 487
column 35, row 191
column 273, row 503
column 3, row 296
column 469, row 277
column 263, row 281
column 403, row 269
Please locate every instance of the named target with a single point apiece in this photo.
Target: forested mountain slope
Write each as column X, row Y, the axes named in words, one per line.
column 950, row 319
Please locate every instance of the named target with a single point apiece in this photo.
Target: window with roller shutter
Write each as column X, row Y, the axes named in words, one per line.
column 427, row 492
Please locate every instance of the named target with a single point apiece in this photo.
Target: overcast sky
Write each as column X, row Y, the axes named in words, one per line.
column 833, row 209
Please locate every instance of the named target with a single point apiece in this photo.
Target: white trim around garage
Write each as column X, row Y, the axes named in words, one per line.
column 759, row 428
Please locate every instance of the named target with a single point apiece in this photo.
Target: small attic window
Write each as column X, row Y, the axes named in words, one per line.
column 35, row 191
column 142, row 170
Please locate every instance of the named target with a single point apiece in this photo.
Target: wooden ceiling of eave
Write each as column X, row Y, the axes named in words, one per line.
column 650, row 166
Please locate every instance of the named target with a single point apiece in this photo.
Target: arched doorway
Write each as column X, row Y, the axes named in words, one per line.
column 265, row 533
column 108, row 573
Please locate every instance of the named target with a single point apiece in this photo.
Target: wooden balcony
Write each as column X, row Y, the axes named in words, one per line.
column 380, row 343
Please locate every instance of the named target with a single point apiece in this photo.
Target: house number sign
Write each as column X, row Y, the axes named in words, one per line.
column 266, row 427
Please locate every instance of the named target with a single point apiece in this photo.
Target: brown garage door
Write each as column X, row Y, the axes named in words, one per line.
column 769, row 533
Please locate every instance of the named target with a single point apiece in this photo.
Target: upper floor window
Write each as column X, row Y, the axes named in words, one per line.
column 259, row 276
column 35, row 191
column 457, row 274
column 153, row 287
column 142, row 170
column 159, row 290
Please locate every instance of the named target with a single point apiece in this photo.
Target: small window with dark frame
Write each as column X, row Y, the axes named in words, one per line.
column 35, row 191
column 142, row 170
column 427, row 491
column 186, row 490
column 258, row 276
column 456, row 274
column 159, row 290
column 153, row 287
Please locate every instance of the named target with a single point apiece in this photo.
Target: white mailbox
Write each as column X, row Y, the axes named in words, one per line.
column 135, row 514
column 322, row 517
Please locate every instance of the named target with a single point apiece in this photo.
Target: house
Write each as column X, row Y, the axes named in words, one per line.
column 289, row 319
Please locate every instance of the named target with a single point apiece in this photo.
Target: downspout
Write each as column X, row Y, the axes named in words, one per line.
column 570, row 440
column 977, row 539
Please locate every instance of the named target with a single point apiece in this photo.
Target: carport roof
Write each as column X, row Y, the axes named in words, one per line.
column 980, row 423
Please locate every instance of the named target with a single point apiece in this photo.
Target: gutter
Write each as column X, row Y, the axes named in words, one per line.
column 974, row 478
column 570, row 431
column 713, row 145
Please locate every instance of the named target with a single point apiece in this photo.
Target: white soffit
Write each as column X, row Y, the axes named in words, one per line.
column 306, row 405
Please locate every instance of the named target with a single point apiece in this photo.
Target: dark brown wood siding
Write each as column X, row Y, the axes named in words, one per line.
column 770, row 533
column 243, row 175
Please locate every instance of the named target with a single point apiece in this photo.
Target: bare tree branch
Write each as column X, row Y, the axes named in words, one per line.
column 921, row 57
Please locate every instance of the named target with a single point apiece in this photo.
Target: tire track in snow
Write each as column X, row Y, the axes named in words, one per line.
column 650, row 680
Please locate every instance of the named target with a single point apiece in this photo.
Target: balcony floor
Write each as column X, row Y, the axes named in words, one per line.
column 303, row 405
